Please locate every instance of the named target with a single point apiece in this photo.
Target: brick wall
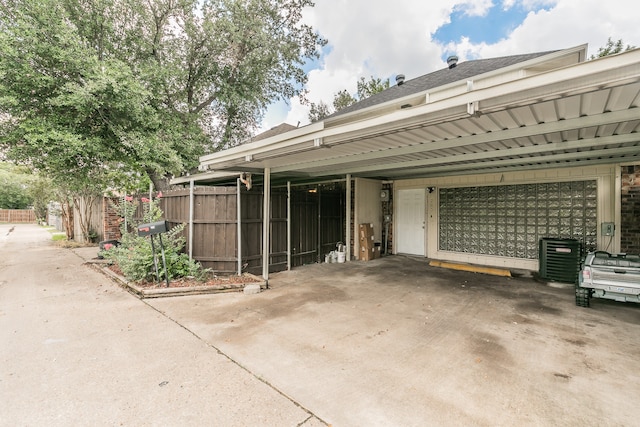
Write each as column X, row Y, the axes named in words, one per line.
column 630, row 210
column 111, row 220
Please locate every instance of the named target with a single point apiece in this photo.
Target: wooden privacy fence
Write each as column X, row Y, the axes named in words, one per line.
column 214, row 239
column 317, row 223
column 215, row 235
column 17, row 216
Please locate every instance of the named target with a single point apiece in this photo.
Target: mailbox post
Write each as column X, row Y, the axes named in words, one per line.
column 156, row 229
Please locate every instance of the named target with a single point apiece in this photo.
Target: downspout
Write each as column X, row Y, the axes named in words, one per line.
column 288, row 225
column 239, row 219
column 191, row 203
column 266, row 223
column 347, row 237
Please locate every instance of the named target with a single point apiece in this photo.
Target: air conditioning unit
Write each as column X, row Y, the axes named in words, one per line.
column 560, row 259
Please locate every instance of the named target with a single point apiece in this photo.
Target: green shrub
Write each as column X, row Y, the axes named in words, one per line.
column 134, row 256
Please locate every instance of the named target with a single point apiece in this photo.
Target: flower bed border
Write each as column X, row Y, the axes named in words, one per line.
column 143, row 293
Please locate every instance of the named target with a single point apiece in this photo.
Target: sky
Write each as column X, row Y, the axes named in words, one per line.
column 414, row 37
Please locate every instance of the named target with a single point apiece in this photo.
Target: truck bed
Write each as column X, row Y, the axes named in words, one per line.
column 609, row 276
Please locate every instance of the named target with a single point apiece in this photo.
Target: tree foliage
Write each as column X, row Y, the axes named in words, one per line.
column 611, row 48
column 41, row 193
column 134, row 255
column 343, row 99
column 101, row 92
column 14, row 187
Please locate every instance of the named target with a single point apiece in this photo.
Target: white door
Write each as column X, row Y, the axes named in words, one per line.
column 410, row 222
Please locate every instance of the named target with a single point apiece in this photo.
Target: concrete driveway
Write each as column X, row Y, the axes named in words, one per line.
column 391, row 342
column 77, row 350
column 394, row 342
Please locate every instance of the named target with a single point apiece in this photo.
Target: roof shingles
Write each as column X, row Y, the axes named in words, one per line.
column 462, row 71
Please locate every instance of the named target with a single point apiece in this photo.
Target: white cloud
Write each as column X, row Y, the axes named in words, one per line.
column 570, row 23
column 388, row 38
column 476, row 8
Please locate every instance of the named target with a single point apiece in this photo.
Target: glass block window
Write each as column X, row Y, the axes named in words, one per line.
column 509, row 220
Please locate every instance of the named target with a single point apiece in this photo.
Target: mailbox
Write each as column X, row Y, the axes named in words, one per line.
column 152, row 228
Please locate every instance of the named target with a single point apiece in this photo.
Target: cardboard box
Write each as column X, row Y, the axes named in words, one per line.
column 367, row 241
column 376, row 252
column 366, row 231
column 367, row 254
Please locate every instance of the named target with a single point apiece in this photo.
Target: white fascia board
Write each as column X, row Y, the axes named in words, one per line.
column 519, row 152
column 202, row 177
column 460, row 86
column 609, row 70
column 297, row 136
column 282, row 140
column 606, row 71
column 613, row 70
column 561, row 126
column 571, row 79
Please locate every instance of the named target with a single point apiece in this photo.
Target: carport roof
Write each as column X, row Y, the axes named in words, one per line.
column 544, row 110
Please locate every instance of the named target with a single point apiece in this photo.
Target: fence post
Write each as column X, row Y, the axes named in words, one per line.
column 288, row 225
column 239, row 219
column 191, row 197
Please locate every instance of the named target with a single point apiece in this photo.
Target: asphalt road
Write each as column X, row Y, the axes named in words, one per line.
column 76, row 349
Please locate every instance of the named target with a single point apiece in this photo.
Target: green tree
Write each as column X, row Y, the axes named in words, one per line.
column 319, row 111
column 343, row 99
column 41, row 194
column 611, row 48
column 371, row 86
column 97, row 91
column 14, row 186
column 135, row 254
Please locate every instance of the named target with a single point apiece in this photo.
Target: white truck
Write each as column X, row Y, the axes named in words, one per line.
column 609, row 276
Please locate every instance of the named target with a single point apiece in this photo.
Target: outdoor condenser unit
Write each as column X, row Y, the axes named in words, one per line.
column 560, row 259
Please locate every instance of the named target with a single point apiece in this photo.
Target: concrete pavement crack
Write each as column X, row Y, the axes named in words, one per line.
column 240, row 365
